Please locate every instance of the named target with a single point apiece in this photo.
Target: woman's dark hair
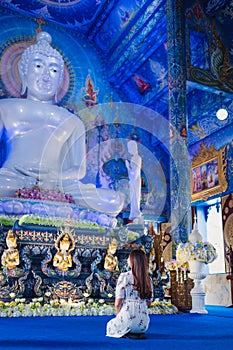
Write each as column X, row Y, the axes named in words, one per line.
column 139, row 268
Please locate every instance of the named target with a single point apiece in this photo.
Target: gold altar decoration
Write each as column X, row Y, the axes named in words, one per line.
column 181, row 286
column 10, row 256
column 65, row 290
column 64, row 244
column 208, row 173
column 111, row 261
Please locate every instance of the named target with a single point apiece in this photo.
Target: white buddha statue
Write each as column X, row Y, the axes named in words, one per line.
column 46, row 142
column 134, row 172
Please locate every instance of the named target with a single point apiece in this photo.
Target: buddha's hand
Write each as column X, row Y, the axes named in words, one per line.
column 44, row 173
column 127, row 164
column 33, row 172
column 73, row 173
column 37, row 173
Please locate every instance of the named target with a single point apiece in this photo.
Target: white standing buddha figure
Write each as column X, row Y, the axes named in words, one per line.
column 134, row 172
column 45, row 141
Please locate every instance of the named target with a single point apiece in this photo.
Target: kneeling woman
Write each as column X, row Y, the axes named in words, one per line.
column 134, row 293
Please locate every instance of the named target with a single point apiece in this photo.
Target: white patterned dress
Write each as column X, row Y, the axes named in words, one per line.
column 133, row 316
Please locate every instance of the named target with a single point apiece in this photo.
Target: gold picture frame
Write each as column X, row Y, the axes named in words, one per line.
column 208, row 173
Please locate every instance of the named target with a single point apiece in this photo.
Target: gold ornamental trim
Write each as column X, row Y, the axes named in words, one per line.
column 208, row 173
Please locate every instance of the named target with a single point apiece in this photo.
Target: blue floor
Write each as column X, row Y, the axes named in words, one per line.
column 176, row 332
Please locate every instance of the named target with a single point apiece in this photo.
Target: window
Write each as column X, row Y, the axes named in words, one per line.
column 215, row 236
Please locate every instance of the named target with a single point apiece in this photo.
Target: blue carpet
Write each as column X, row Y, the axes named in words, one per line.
column 212, row 331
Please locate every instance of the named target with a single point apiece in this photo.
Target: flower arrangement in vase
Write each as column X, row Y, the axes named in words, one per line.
column 195, row 249
column 200, row 251
column 198, row 254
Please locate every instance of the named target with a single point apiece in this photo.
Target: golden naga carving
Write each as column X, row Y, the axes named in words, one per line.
column 111, row 261
column 64, row 244
column 10, row 256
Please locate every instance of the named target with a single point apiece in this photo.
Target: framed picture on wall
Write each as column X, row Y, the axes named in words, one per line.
column 208, row 173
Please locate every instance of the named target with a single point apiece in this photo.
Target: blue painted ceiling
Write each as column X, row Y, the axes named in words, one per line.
column 131, row 38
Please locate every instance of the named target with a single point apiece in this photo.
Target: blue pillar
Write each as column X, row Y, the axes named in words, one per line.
column 179, row 156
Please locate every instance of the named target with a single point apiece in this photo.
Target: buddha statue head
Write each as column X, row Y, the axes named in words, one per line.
column 112, row 246
column 41, row 70
column 132, row 147
column 11, row 240
column 65, row 243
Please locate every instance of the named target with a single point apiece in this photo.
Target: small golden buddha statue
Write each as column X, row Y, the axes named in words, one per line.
column 10, row 256
column 111, row 261
column 63, row 259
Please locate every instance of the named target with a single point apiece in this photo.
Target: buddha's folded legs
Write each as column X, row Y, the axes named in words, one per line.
column 100, row 199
